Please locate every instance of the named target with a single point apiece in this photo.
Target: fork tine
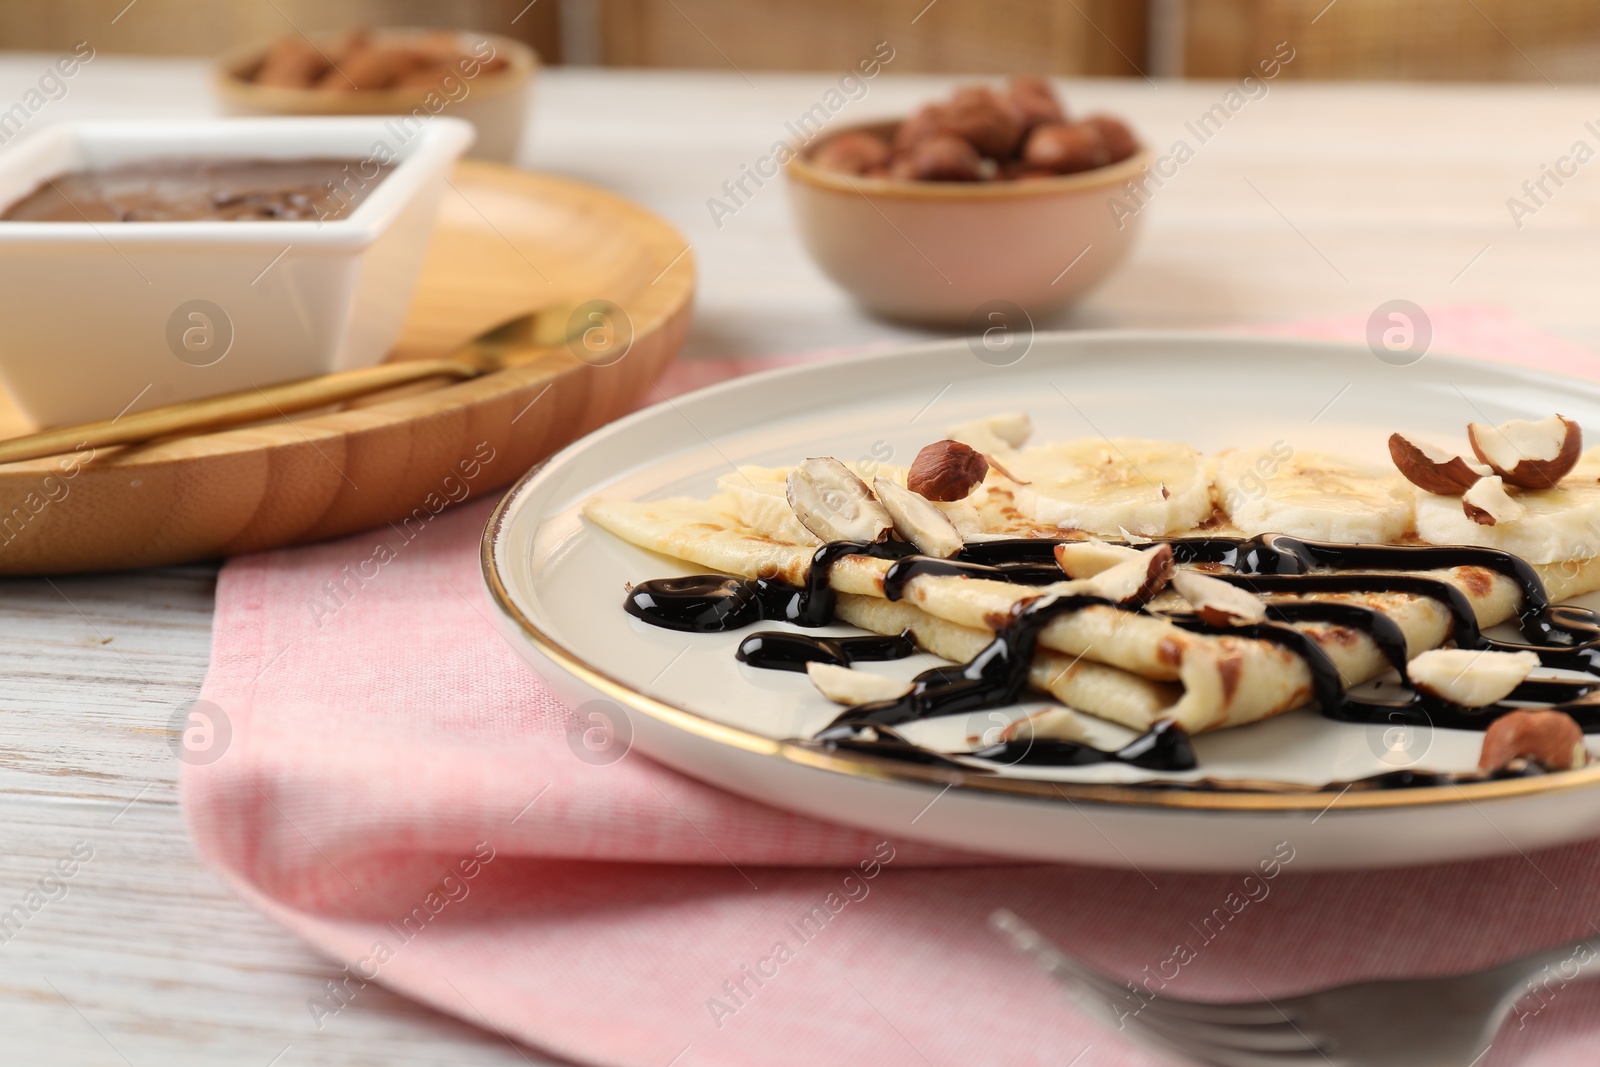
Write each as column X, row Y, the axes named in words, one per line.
column 1225, row 1013
column 1059, row 964
column 1259, row 1042
column 1190, row 1045
column 1247, row 1034
column 1285, row 1038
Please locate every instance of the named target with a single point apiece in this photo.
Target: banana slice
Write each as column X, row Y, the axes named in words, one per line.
column 1108, row 486
column 1313, row 495
column 1555, row 525
column 757, row 495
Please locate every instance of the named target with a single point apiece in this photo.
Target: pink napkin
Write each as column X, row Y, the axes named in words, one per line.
column 389, row 781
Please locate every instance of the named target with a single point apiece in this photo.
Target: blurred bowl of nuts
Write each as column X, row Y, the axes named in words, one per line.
column 995, row 195
column 412, row 74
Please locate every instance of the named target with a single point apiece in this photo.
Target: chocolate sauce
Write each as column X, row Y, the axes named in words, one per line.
column 210, row 190
column 777, row 650
column 1563, row 636
column 993, row 678
column 712, row 603
column 1165, row 747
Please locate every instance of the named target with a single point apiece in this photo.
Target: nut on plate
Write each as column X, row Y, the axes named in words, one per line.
column 1470, row 678
column 1136, row 581
column 946, row 471
column 1432, row 469
column 831, row 502
column 1529, row 455
column 917, row 520
column 1217, row 602
column 1552, row 739
column 1488, row 504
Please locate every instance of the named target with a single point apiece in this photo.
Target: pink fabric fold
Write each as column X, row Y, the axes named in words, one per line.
column 390, row 782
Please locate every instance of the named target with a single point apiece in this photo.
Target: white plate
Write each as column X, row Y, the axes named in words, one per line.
column 684, row 700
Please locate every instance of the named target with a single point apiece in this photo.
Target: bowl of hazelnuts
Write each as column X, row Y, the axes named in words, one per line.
column 993, row 197
column 411, row 74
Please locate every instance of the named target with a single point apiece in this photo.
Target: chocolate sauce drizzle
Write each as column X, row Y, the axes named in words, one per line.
column 779, row 650
column 713, row 603
column 1562, row 636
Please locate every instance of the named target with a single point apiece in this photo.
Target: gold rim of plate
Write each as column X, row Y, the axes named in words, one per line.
column 860, row 765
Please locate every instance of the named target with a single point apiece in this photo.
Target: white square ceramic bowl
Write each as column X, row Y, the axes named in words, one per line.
column 101, row 318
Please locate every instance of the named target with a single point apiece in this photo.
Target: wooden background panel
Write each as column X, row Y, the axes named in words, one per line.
column 1554, row 41
column 1095, row 37
column 185, row 27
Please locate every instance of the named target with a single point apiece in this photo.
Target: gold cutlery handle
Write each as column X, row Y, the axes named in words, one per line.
column 230, row 409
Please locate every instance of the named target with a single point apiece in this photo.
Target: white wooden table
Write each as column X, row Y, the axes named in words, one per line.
column 1311, row 201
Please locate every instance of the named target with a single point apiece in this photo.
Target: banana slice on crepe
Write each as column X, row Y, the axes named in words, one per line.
column 757, row 496
column 1278, row 489
column 1545, row 526
column 1099, row 485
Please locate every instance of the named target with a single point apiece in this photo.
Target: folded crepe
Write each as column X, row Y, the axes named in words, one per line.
column 1132, row 669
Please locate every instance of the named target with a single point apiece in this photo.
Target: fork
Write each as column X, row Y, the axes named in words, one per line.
column 1407, row 1022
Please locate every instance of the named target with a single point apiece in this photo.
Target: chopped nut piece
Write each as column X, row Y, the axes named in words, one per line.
column 1433, row 469
column 850, row 687
column 1218, row 602
column 1552, row 739
column 1468, row 677
column 831, row 502
column 1135, row 581
column 1488, row 504
column 917, row 520
column 1085, row 559
column 1530, row 455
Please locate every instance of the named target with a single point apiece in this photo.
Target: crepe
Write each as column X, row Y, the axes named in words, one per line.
column 1131, row 669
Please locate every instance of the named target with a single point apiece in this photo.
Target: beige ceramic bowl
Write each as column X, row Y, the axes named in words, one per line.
column 496, row 104
column 938, row 252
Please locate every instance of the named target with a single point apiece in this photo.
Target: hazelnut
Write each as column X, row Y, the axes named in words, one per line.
column 1433, row 469
column 1119, row 140
column 347, row 43
column 367, row 68
column 1064, row 149
column 834, row 504
column 940, row 158
column 1552, row 739
column 1488, row 504
column 983, row 122
column 947, row 470
column 1085, row 559
column 1530, row 455
column 917, row 520
column 1216, row 601
column 1138, row 580
column 853, row 152
column 291, row 63
column 919, row 127
column 1034, row 102
column 1468, row 677
column 842, row 685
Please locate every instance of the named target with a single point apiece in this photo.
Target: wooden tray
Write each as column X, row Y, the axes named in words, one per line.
column 506, row 242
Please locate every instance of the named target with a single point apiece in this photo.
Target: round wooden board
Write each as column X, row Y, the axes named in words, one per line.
column 506, row 242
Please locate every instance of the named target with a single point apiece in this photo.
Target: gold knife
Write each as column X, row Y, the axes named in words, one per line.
column 517, row 340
